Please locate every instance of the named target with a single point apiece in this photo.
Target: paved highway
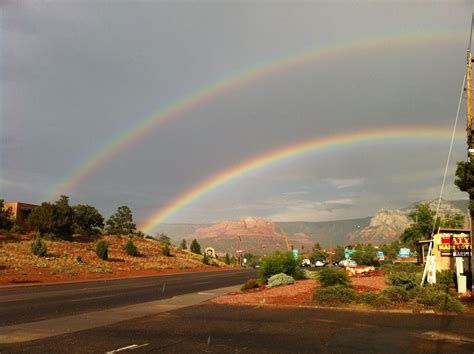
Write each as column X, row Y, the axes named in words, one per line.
column 210, row 328
column 27, row 304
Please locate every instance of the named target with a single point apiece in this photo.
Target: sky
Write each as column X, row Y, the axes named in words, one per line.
column 77, row 75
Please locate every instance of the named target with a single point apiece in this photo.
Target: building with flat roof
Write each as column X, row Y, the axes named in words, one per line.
column 19, row 212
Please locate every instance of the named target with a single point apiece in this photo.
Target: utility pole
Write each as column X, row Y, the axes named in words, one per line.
column 470, row 135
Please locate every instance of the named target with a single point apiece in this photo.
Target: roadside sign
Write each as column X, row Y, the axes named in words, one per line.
column 455, row 245
column 404, row 252
column 380, row 255
column 295, row 253
column 348, row 253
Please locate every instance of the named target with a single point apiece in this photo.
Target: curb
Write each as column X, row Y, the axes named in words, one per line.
column 350, row 309
column 98, row 280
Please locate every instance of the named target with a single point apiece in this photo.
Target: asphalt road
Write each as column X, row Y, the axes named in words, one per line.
column 224, row 329
column 27, row 304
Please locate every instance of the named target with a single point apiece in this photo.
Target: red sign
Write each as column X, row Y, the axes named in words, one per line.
column 455, row 245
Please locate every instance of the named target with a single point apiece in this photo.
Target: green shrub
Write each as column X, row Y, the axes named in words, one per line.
column 299, row 274
column 401, row 267
column 369, row 298
column 445, row 278
column 165, row 250
column 17, row 229
column 38, row 246
column 280, row 279
column 337, row 294
column 452, row 305
column 130, row 248
column 102, row 249
column 431, row 296
column 331, row 277
column 404, row 280
column 396, row 294
column 205, row 259
column 279, row 263
column 79, row 260
column 308, row 274
column 250, row 284
column 383, row 301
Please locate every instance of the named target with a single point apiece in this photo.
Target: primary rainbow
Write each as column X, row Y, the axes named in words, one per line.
column 209, row 92
column 286, row 152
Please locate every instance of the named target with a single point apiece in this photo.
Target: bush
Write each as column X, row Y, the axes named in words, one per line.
column 431, row 296
column 280, row 279
column 17, row 229
column 79, row 260
column 404, row 280
column 279, row 263
column 445, row 278
column 250, row 284
column 299, row 274
column 165, row 250
column 38, row 246
column 205, row 259
column 401, row 267
column 308, row 274
column 332, row 277
column 336, row 294
column 452, row 305
column 396, row 294
column 369, row 298
column 130, row 248
column 102, row 249
column 383, row 301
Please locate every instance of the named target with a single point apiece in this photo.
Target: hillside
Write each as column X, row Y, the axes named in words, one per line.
column 387, row 225
column 76, row 260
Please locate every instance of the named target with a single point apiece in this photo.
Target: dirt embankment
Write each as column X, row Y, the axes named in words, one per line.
column 76, row 260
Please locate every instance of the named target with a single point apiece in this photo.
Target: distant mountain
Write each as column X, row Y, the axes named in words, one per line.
column 264, row 236
column 388, row 224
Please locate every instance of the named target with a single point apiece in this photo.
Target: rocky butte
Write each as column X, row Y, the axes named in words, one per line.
column 257, row 236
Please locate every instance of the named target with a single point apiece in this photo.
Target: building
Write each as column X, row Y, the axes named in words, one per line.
column 20, row 212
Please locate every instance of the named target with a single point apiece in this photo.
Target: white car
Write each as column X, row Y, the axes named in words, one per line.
column 306, row 263
column 319, row 263
column 348, row 263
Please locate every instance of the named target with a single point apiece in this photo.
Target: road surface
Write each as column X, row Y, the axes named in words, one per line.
column 27, row 304
column 214, row 328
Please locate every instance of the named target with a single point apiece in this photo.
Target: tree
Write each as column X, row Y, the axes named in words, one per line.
column 88, row 220
column 227, row 259
column 454, row 221
column 5, row 217
column 195, row 247
column 63, row 217
column 42, row 218
column 163, row 238
column 465, row 180
column 121, row 223
column 183, row 245
column 423, row 226
column 317, row 246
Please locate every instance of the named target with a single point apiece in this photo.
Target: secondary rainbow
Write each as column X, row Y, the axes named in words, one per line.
column 319, row 143
column 209, row 92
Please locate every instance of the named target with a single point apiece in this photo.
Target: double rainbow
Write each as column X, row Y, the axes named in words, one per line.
column 207, row 93
column 287, row 152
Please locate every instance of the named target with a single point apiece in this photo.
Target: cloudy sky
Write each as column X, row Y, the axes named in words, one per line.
column 76, row 75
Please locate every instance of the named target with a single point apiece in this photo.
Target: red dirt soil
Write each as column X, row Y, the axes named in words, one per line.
column 19, row 266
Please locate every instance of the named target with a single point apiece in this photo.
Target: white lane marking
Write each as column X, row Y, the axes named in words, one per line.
column 435, row 335
column 130, row 347
column 94, row 297
column 206, row 294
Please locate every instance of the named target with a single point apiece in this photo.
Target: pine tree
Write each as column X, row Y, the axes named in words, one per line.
column 195, row 247
column 121, row 223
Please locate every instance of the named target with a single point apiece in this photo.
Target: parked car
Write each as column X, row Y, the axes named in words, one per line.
column 306, row 263
column 348, row 263
column 319, row 263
